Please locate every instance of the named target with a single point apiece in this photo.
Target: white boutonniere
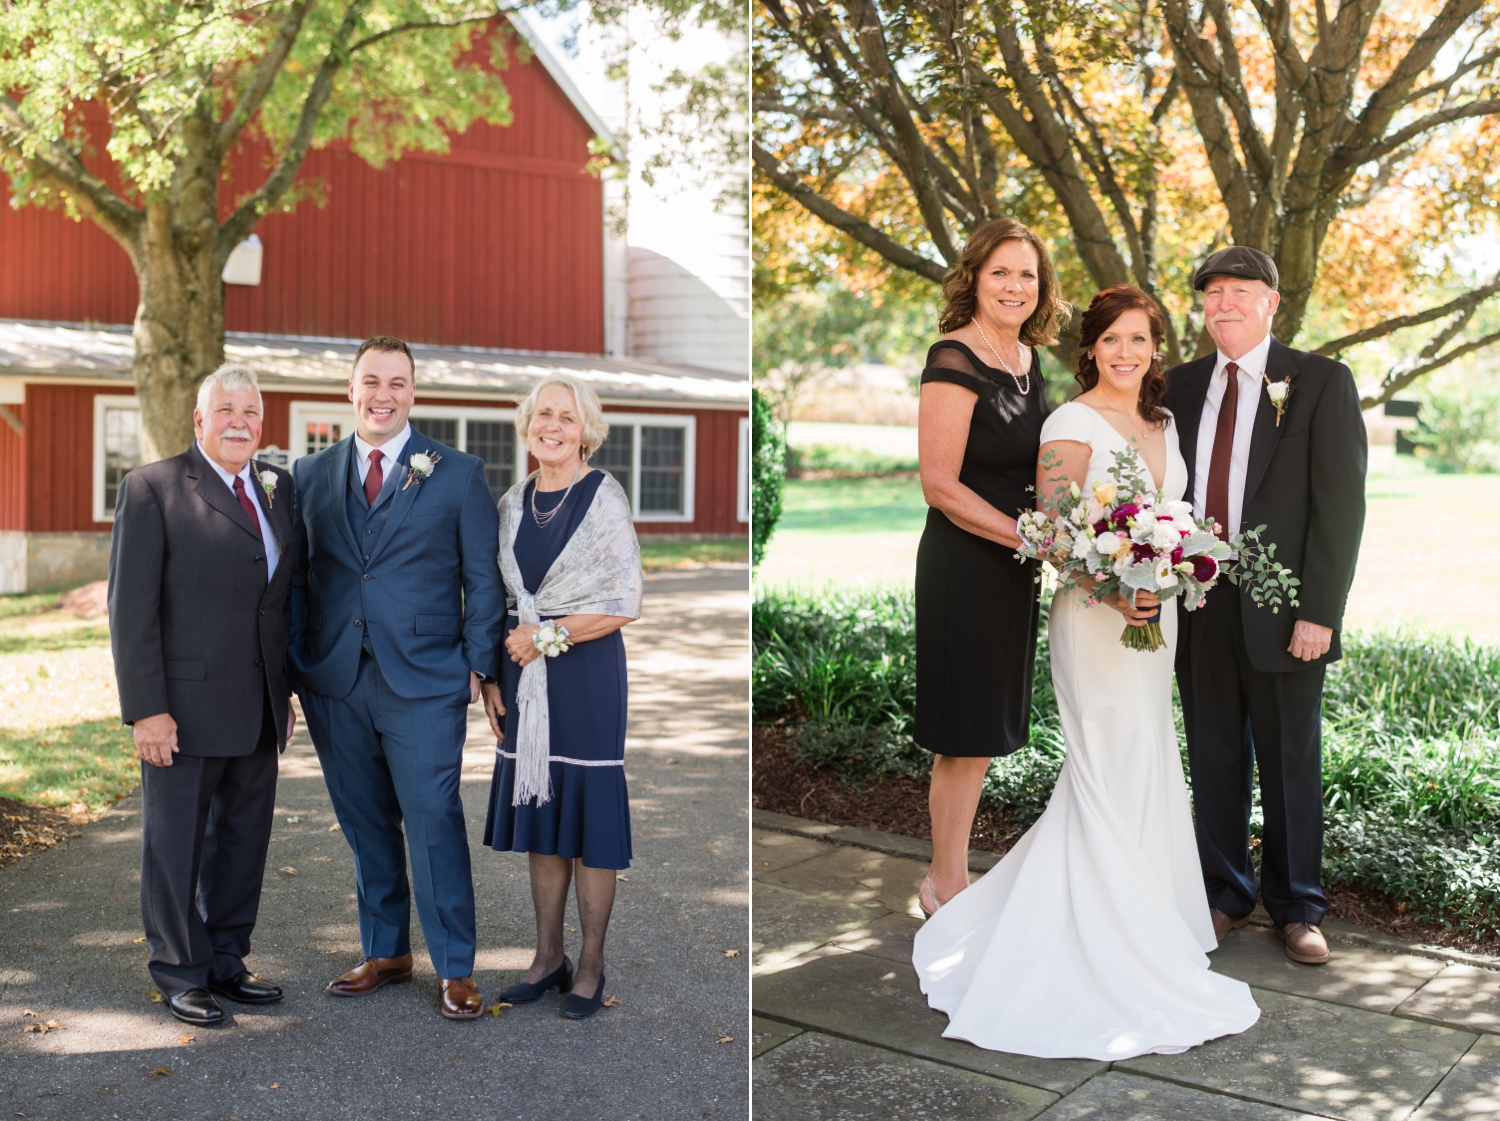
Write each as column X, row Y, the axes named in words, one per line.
column 267, row 481
column 552, row 639
column 1278, row 391
column 419, row 467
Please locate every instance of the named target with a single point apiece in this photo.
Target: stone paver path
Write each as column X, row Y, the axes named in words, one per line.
column 1385, row 1031
column 70, row 928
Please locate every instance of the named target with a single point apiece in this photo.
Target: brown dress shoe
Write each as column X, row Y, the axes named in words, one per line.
column 370, row 974
column 1223, row 924
column 1304, row 943
column 461, row 1000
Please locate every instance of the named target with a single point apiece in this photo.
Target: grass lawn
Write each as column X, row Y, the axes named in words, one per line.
column 656, row 556
column 866, row 531
column 61, row 743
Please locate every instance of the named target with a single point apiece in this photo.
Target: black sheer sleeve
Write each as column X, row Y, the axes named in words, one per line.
column 953, row 362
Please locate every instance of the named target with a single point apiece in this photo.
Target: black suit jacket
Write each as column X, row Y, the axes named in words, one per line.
column 196, row 628
column 1305, row 483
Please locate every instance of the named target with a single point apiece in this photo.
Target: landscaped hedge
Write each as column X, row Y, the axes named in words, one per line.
column 1411, row 740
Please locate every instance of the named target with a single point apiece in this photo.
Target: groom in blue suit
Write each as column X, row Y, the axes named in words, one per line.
column 397, row 608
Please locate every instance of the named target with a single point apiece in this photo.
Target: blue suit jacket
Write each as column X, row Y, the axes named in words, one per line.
column 429, row 596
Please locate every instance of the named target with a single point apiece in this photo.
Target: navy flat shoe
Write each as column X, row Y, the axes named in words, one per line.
column 582, row 1007
column 561, row 978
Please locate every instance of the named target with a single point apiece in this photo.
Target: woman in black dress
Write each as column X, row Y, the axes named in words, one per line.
column 979, row 432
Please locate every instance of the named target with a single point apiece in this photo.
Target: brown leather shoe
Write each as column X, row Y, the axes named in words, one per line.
column 461, row 1000
column 370, row 974
column 1304, row 943
column 1223, row 924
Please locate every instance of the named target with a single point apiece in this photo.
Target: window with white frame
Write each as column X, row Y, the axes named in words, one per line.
column 652, row 458
column 488, row 433
column 117, row 449
column 742, row 486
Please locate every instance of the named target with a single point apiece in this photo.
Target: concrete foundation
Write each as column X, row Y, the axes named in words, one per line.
column 32, row 561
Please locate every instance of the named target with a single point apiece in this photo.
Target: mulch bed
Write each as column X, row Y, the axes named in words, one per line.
column 26, row 829
column 899, row 805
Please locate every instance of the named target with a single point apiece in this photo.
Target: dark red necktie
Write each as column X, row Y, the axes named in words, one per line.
column 374, row 478
column 248, row 503
column 1216, row 504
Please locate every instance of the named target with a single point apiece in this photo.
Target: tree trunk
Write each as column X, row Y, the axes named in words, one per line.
column 179, row 325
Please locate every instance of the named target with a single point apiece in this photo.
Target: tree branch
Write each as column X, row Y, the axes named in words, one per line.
column 1399, row 378
column 63, row 169
column 1465, row 302
column 429, row 25
column 1400, row 137
column 840, row 219
column 265, row 77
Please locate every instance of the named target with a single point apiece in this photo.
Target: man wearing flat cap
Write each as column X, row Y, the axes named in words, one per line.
column 1272, row 436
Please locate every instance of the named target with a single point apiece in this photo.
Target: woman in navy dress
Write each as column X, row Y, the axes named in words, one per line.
column 582, row 831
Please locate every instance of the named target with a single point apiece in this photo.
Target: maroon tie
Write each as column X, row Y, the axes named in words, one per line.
column 1216, row 505
column 248, row 504
column 374, row 478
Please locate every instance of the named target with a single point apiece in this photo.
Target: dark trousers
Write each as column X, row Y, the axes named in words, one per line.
column 1236, row 716
column 205, row 828
column 392, row 761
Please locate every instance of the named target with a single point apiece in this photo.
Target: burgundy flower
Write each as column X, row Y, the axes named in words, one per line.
column 1141, row 551
column 1101, row 525
column 1177, row 556
column 1124, row 513
column 1205, row 569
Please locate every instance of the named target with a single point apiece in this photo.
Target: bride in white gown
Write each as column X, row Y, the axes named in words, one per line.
column 1088, row 939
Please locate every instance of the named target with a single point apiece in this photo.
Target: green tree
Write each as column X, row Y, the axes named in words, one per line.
column 767, row 473
column 178, row 87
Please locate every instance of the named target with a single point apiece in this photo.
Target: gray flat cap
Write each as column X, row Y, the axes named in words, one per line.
column 1240, row 261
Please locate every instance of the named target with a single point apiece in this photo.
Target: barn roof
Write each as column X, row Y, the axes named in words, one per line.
column 92, row 352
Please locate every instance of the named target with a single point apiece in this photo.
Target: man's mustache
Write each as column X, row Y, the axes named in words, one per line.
column 235, row 434
column 1229, row 317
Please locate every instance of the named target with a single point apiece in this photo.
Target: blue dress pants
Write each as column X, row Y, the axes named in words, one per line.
column 390, row 760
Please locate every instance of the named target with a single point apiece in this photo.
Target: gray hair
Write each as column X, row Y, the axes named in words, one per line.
column 229, row 377
column 590, row 412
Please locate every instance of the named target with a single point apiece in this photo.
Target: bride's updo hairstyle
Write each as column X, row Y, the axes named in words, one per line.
column 1102, row 314
column 961, row 284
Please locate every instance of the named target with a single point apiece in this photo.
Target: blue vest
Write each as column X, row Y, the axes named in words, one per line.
column 366, row 523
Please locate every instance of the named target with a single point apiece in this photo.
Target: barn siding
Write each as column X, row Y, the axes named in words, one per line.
column 497, row 243
column 13, row 473
column 60, row 457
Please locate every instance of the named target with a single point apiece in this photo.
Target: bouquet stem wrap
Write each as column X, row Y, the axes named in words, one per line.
column 1148, row 638
column 598, row 572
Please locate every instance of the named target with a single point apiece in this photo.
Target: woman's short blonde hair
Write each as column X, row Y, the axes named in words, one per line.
column 590, row 412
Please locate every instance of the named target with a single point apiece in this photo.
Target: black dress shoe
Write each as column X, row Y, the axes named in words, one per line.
column 246, row 988
column 525, row 993
column 576, row 1007
column 197, row 1007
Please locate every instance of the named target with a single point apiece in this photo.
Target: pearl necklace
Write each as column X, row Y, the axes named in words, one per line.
column 1023, row 389
column 542, row 519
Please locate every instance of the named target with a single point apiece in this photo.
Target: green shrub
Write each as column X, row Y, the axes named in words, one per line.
column 1411, row 740
column 767, row 471
column 845, row 461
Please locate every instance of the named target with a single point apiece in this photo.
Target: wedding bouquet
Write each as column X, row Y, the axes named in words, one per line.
column 1125, row 536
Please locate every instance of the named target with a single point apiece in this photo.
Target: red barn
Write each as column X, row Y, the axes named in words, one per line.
column 493, row 258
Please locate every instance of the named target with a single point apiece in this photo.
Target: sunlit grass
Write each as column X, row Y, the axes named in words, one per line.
column 657, row 556
column 92, row 762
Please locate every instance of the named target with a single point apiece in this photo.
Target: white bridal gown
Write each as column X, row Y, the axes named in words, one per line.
column 1088, row 940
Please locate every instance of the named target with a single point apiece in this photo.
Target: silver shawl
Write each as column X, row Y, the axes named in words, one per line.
column 598, row 572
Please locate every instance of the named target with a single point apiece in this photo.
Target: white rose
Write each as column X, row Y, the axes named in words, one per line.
column 268, row 479
column 1277, row 390
column 1108, row 543
column 422, row 463
column 1165, row 537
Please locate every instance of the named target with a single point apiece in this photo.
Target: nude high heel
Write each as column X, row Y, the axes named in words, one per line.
column 927, row 897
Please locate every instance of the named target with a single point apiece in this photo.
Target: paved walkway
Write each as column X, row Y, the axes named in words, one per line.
column 1385, row 1031
column 70, row 922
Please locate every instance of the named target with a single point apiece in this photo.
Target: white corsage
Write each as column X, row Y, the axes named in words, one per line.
column 419, row 467
column 268, row 484
column 551, row 639
column 1278, row 391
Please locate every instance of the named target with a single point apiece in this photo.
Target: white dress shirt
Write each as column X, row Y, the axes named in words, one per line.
column 257, row 494
column 1252, row 368
column 391, row 450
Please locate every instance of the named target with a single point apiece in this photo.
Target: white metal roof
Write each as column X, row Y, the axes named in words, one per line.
column 559, row 75
column 30, row 351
